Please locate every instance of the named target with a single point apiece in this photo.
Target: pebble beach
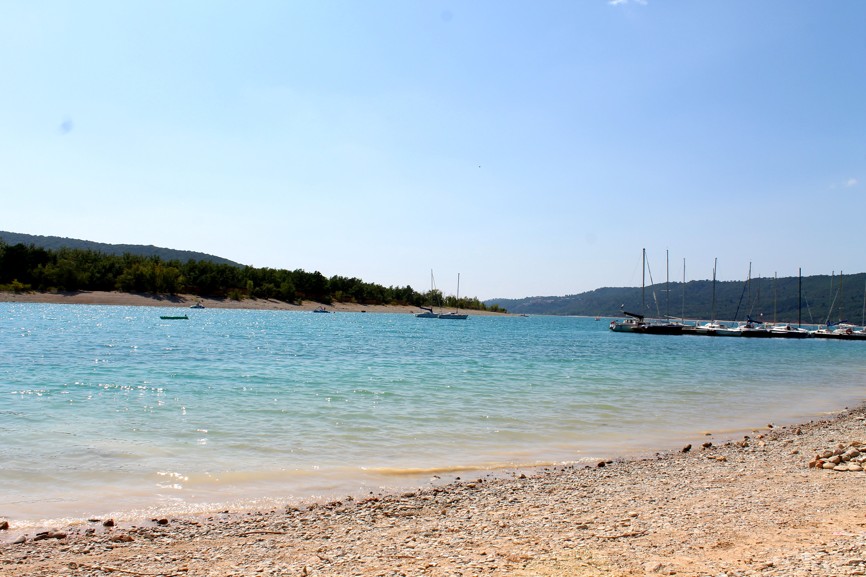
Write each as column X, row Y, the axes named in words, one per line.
column 760, row 505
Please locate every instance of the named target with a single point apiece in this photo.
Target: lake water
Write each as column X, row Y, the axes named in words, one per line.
column 109, row 410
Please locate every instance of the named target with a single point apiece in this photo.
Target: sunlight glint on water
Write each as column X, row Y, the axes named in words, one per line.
column 109, row 409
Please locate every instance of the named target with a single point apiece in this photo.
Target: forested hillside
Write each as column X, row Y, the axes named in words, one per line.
column 764, row 298
column 34, row 268
column 58, row 242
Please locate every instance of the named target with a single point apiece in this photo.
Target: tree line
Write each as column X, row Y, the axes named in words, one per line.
column 31, row 268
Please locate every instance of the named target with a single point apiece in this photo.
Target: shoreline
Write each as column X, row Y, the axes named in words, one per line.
column 746, row 507
column 185, row 301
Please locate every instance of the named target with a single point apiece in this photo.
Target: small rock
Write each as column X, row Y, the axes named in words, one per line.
column 49, row 535
column 707, row 445
column 162, row 522
column 20, row 540
column 108, row 523
column 122, row 539
column 686, row 449
column 4, row 525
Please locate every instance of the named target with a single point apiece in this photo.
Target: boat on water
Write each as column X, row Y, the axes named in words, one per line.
column 840, row 331
column 663, row 328
column 712, row 329
column 786, row 331
column 321, row 310
column 637, row 323
column 428, row 311
column 455, row 316
column 633, row 324
column 174, row 317
column 197, row 306
column 753, row 329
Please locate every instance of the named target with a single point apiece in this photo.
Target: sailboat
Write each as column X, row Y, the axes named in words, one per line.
column 786, row 331
column 455, row 316
column 751, row 328
column 428, row 311
column 666, row 327
column 862, row 332
column 712, row 328
column 636, row 323
column 840, row 329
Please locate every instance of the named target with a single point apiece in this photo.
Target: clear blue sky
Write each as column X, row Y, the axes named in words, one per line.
column 533, row 147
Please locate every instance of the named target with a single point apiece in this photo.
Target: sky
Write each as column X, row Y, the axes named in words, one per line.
column 533, row 148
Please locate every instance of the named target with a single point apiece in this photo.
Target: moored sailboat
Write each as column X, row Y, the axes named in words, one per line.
column 428, row 311
column 455, row 316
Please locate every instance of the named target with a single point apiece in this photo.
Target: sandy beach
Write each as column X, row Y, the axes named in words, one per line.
column 751, row 506
column 185, row 301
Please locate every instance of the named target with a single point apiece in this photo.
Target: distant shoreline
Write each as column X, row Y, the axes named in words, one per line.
column 187, row 300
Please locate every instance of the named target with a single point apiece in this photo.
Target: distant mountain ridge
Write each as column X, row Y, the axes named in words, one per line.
column 57, row 242
column 762, row 299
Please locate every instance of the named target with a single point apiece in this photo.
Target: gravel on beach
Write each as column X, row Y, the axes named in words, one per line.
column 751, row 506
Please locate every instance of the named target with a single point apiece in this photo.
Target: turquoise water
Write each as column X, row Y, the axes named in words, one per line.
column 111, row 410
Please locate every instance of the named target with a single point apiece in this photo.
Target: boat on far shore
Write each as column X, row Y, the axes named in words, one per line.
column 174, row 317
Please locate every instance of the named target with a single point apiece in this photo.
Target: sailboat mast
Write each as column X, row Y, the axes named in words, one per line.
column 458, row 292
column 832, row 299
column 841, row 299
column 775, row 294
column 715, row 264
column 667, row 285
column 863, row 320
column 684, row 292
column 799, row 297
column 643, row 283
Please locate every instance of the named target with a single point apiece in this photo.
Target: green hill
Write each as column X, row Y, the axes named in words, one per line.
column 57, row 242
column 763, row 298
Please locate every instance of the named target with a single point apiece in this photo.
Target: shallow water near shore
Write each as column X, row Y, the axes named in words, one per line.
column 112, row 410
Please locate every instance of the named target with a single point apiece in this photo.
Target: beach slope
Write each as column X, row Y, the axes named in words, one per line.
column 752, row 506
